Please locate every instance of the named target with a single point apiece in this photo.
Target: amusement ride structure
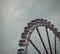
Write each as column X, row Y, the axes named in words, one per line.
column 26, row 37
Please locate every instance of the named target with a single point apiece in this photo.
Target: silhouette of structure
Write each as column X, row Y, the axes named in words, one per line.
column 25, row 36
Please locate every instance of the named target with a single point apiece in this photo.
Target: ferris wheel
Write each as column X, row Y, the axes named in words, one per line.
column 28, row 31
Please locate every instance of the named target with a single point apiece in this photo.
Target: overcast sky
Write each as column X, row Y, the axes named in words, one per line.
column 15, row 14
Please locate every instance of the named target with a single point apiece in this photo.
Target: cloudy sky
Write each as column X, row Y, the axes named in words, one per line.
column 15, row 14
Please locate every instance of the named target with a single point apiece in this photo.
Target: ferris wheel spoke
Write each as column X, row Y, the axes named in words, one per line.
column 42, row 40
column 55, row 44
column 49, row 41
column 34, row 46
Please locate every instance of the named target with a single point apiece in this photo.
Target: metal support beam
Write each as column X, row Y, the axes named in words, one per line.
column 49, row 41
column 41, row 40
column 35, row 47
column 55, row 44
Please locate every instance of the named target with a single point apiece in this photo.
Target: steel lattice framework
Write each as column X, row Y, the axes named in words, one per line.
column 25, row 36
